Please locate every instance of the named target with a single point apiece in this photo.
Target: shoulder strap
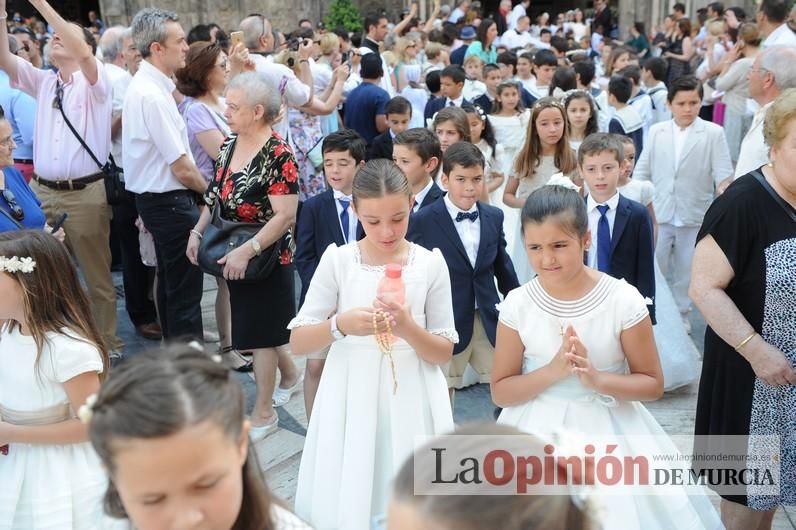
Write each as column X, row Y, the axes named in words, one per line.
column 59, row 102
column 16, row 223
column 774, row 195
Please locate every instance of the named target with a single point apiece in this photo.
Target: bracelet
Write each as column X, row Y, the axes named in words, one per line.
column 745, row 341
column 197, row 233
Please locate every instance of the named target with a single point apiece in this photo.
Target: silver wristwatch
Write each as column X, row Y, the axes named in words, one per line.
column 336, row 333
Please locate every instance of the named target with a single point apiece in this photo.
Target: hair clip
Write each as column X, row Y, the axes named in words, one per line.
column 17, row 264
column 86, row 411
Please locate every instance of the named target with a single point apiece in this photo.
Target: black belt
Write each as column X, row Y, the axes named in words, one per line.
column 70, row 184
column 23, row 161
column 150, row 195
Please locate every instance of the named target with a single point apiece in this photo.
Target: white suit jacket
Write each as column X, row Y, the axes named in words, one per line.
column 687, row 185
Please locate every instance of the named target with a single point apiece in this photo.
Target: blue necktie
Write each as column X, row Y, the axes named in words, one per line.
column 603, row 240
column 472, row 216
column 344, row 217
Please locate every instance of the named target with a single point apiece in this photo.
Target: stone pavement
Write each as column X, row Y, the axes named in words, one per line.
column 280, row 453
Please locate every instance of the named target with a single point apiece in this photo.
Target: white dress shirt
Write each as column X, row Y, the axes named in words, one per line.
column 293, row 91
column 456, row 102
column 594, row 220
column 679, row 137
column 120, row 82
column 754, row 151
column 421, row 195
column 782, row 36
column 469, row 231
column 353, row 222
column 513, row 39
column 154, row 134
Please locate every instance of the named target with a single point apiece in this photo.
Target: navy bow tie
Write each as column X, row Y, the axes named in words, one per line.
column 472, row 216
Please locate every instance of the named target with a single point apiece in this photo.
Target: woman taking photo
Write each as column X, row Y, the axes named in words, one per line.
column 260, row 185
column 743, row 283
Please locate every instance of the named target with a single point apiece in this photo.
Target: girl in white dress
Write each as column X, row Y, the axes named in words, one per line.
column 581, row 117
column 546, row 151
column 509, row 120
column 679, row 356
column 170, row 427
column 575, row 354
column 51, row 359
column 370, row 405
column 482, row 135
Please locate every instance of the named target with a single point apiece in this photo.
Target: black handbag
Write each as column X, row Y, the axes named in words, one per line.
column 113, row 175
column 222, row 237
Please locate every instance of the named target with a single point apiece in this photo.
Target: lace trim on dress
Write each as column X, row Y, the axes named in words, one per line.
column 448, row 333
column 300, row 322
column 381, row 268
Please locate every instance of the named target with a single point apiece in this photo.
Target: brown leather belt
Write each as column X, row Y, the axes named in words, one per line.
column 70, row 184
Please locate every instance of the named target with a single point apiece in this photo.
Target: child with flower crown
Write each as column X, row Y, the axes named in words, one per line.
column 51, row 359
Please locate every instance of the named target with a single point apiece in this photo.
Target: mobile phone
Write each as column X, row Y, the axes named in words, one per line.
column 235, row 38
column 59, row 223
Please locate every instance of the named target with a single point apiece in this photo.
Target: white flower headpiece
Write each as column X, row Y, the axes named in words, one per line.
column 559, row 179
column 17, row 264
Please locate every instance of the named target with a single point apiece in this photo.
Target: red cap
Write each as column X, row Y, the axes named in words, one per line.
column 392, row 270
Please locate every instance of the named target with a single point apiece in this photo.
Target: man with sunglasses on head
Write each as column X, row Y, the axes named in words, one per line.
column 27, row 41
column 67, row 179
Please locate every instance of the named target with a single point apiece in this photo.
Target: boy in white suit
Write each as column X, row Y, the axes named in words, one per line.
column 686, row 159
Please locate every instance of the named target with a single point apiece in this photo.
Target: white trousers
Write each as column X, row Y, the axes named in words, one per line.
column 674, row 251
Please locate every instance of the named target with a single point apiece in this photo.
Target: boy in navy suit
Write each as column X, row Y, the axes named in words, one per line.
column 418, row 153
column 470, row 236
column 451, row 80
column 621, row 229
column 325, row 219
column 398, row 112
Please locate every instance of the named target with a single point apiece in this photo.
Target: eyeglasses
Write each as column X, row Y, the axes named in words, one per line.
column 16, row 211
column 7, row 142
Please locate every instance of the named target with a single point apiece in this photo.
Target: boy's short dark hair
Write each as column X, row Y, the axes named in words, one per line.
column 685, row 83
column 657, row 67
column 420, row 140
column 372, row 19
column 621, row 88
column 398, row 105
column 370, row 67
column 507, row 58
column 597, row 143
column 454, row 72
column 632, row 72
column 528, row 56
column 489, row 68
column 464, row 154
column 432, row 81
column 560, row 44
column 679, row 6
column 545, row 30
column 345, row 140
column 774, row 10
column 586, row 71
column 545, row 58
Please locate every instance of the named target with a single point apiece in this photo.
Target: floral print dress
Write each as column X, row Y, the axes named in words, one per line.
column 243, row 195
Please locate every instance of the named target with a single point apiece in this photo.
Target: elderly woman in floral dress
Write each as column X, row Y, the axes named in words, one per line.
column 260, row 185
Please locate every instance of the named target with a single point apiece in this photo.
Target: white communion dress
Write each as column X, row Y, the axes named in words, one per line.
column 568, row 406
column 361, row 430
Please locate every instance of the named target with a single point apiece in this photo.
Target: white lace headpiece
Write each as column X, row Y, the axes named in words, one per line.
column 559, row 179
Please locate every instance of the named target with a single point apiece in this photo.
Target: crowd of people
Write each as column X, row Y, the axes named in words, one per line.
column 554, row 200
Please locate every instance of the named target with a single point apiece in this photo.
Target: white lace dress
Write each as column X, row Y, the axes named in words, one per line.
column 361, row 432
column 510, row 134
column 571, row 409
column 47, row 486
column 679, row 356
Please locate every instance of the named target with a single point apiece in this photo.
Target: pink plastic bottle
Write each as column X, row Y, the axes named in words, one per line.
column 391, row 287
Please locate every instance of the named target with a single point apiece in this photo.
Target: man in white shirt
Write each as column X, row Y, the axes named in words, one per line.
column 121, row 60
column 771, row 73
column 160, row 169
column 519, row 11
column 460, row 11
column 772, row 16
column 686, row 159
column 518, row 37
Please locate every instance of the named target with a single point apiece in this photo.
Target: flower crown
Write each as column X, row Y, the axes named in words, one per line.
column 559, row 179
column 17, row 264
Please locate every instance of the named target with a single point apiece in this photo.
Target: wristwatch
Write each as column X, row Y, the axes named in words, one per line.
column 336, row 333
column 255, row 246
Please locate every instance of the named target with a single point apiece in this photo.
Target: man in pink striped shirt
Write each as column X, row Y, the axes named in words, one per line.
column 67, row 180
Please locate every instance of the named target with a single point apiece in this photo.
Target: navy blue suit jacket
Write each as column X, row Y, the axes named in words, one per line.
column 633, row 249
column 317, row 226
column 381, row 147
column 432, row 227
column 434, row 193
column 435, row 105
column 457, row 55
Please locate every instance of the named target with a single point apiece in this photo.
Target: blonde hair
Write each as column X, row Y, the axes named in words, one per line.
column 329, row 43
column 779, row 117
column 717, row 27
column 473, row 59
column 433, row 50
column 390, row 58
column 401, row 46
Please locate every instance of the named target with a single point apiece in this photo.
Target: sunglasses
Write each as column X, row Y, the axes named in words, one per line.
column 16, row 211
